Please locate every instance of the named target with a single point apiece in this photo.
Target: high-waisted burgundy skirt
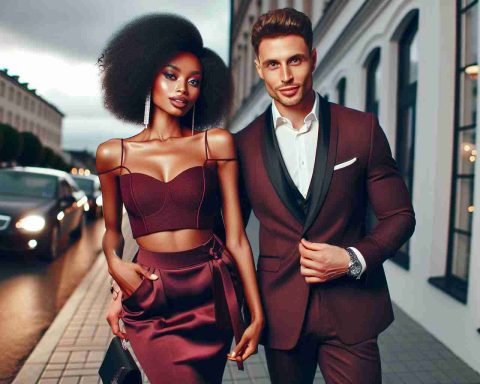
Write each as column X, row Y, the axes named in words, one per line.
column 181, row 325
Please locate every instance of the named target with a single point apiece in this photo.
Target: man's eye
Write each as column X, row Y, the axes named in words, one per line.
column 295, row 60
column 272, row 65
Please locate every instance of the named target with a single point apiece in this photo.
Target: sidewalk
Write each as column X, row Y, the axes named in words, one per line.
column 73, row 347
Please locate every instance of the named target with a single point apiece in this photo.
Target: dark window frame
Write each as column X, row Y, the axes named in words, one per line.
column 371, row 65
column 449, row 283
column 342, row 90
column 406, row 100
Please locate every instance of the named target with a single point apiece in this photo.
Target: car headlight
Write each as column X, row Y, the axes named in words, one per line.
column 31, row 223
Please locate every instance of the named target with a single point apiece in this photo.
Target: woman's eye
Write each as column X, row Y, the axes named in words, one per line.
column 194, row 82
column 170, row 76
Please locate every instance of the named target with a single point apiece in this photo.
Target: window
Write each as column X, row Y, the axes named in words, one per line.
column 455, row 281
column 372, row 104
column 406, row 113
column 2, row 89
column 9, row 118
column 1, row 115
column 372, row 66
column 11, row 92
column 19, row 98
column 341, row 90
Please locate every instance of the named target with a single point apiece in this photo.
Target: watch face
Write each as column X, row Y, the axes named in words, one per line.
column 356, row 269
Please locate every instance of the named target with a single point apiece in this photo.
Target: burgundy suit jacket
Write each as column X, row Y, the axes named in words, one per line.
column 334, row 213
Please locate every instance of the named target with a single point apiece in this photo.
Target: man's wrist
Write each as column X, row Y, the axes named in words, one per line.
column 355, row 267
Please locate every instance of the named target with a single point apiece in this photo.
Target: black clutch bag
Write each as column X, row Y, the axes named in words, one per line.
column 118, row 366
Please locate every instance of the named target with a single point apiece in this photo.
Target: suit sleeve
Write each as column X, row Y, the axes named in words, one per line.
column 390, row 200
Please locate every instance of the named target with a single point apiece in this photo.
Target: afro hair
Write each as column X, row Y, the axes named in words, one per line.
column 136, row 53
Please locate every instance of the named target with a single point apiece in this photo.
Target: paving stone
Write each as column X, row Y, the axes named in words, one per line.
column 59, row 357
column 51, row 374
column 69, row 380
column 80, row 372
column 409, row 378
column 78, row 357
column 89, row 380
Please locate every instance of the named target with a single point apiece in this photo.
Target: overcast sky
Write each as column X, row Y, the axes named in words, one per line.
column 54, row 44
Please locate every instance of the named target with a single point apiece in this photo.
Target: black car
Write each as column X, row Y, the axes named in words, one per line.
column 39, row 207
column 90, row 184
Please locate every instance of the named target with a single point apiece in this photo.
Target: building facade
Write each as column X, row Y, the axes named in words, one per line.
column 24, row 110
column 415, row 64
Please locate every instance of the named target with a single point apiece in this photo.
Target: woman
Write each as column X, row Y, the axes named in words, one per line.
column 181, row 299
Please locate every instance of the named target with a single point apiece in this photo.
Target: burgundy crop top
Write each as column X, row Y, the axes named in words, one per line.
column 189, row 200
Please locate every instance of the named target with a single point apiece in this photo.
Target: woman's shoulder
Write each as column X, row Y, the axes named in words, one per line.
column 109, row 155
column 220, row 143
column 219, row 137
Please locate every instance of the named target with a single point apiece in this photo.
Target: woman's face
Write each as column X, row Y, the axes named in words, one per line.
column 176, row 87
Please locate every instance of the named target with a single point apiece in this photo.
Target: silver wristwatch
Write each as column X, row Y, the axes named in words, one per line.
column 354, row 267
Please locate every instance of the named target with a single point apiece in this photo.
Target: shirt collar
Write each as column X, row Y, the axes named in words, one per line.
column 312, row 116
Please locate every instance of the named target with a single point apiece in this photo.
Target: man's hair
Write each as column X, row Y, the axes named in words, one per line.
column 282, row 22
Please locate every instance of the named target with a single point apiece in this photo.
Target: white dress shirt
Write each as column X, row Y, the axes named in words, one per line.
column 298, row 148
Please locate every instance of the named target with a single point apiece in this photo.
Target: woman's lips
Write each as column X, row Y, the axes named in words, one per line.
column 178, row 102
column 289, row 91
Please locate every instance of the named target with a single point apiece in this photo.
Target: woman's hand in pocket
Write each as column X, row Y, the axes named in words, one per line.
column 128, row 275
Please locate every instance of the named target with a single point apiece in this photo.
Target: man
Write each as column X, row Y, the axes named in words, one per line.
column 309, row 168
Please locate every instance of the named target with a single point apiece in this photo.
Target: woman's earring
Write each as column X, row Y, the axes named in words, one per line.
column 193, row 119
column 146, row 116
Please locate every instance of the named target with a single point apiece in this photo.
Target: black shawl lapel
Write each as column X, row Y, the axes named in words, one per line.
column 278, row 173
column 324, row 163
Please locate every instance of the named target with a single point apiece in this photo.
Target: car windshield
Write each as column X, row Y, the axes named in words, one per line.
column 27, row 184
column 85, row 184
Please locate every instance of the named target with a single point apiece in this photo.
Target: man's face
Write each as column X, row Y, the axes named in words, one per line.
column 286, row 66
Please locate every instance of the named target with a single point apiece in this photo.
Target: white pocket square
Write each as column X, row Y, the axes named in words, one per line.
column 344, row 164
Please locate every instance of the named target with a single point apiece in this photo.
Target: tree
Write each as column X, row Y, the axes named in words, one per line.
column 12, row 143
column 48, row 157
column 32, row 149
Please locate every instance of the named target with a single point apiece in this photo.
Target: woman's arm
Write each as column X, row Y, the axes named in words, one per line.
column 127, row 275
column 108, row 168
column 221, row 146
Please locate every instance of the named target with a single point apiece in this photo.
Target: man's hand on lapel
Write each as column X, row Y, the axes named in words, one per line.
column 320, row 262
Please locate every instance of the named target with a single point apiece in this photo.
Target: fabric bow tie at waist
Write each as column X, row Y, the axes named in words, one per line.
column 224, row 290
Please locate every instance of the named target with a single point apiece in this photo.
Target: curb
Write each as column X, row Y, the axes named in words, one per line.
column 38, row 359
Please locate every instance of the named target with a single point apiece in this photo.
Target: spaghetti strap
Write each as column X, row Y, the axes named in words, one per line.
column 206, row 152
column 206, row 145
column 121, row 156
column 118, row 166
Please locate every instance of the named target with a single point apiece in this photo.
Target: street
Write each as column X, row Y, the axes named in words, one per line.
column 32, row 292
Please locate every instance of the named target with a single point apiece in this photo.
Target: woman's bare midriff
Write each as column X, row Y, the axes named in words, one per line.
column 174, row 241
